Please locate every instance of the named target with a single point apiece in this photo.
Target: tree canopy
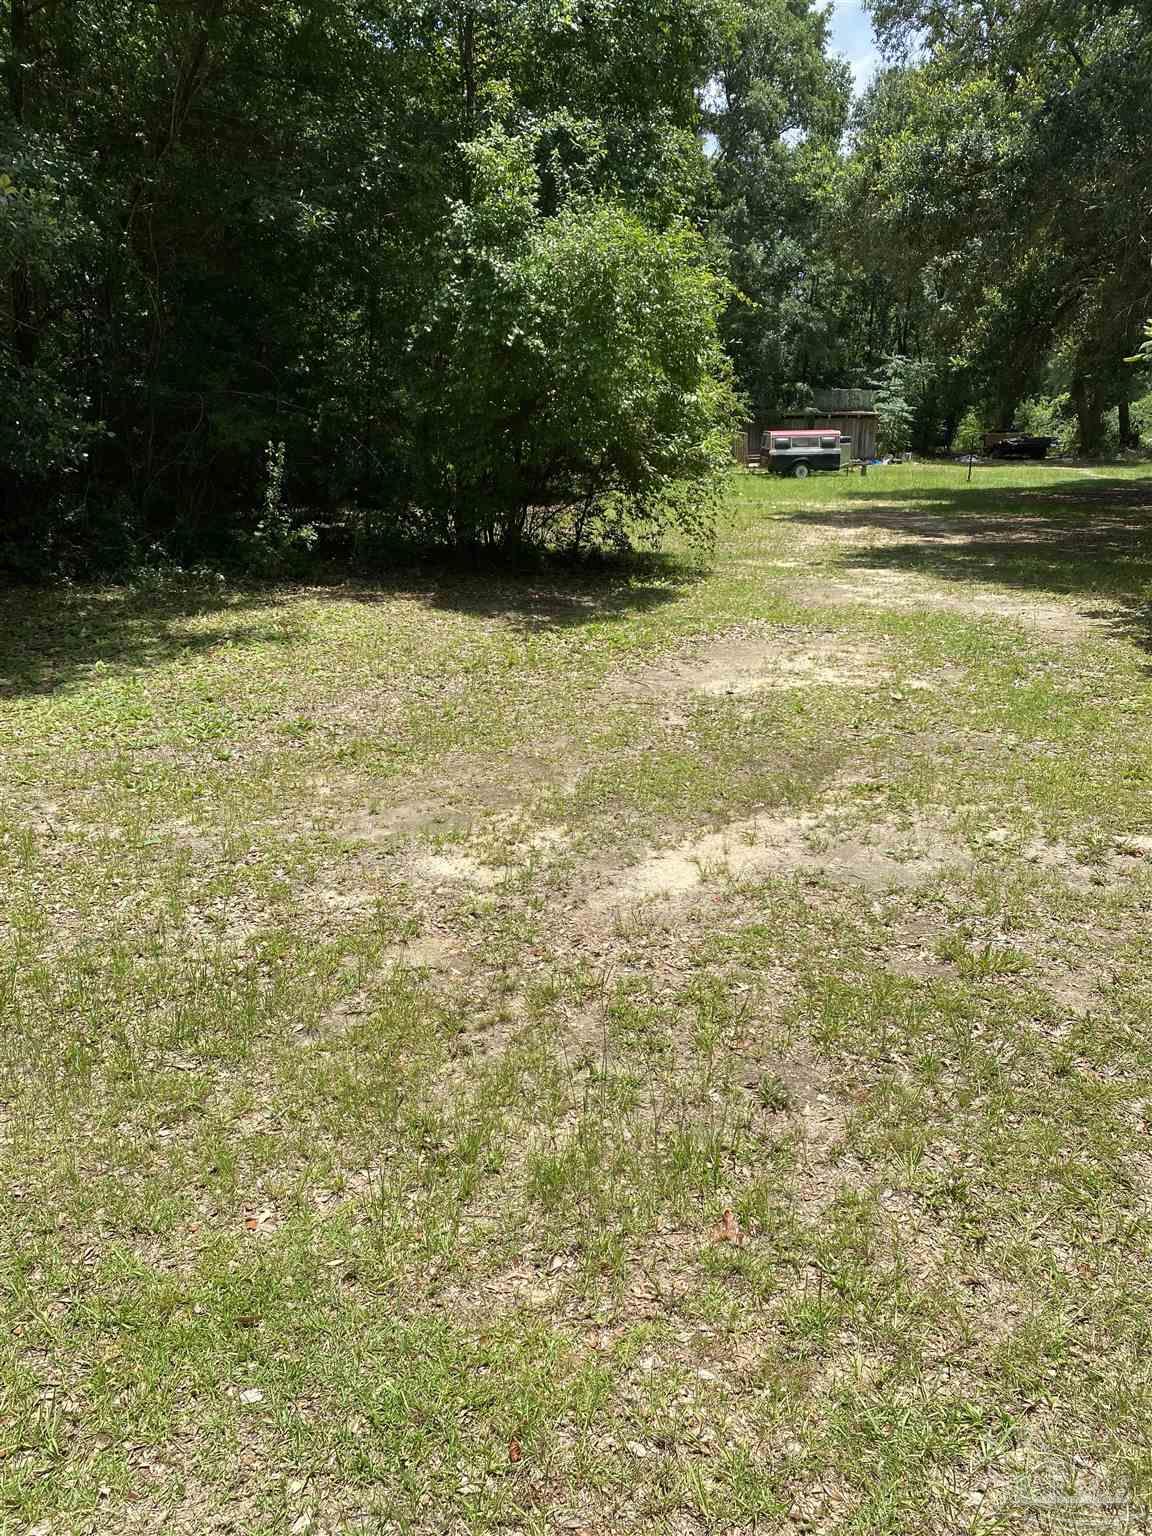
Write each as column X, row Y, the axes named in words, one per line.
column 403, row 240
column 1001, row 163
column 495, row 272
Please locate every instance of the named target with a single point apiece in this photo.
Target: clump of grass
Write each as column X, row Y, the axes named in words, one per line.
column 774, row 1094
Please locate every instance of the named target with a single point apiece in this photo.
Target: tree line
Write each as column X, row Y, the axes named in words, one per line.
column 1000, row 172
column 508, row 273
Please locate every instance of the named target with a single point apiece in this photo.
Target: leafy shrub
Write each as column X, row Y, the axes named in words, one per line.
column 46, row 425
column 905, row 404
column 1143, row 354
column 970, row 433
column 894, row 409
column 1142, row 418
column 573, row 368
column 281, row 540
column 1049, row 416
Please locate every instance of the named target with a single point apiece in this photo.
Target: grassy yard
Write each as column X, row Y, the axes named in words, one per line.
column 666, row 1051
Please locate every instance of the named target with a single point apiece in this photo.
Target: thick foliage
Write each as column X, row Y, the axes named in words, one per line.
column 777, row 108
column 575, row 361
column 1004, row 170
column 229, row 226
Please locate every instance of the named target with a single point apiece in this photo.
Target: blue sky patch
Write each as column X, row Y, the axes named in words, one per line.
column 852, row 37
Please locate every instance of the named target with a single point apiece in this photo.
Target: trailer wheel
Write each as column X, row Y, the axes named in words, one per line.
column 800, row 472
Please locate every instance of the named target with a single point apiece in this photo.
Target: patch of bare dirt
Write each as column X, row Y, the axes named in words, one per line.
column 813, row 1098
column 460, row 795
column 409, row 818
column 456, row 866
column 430, row 952
column 457, row 869
column 756, row 659
column 1130, row 856
column 883, row 855
column 1075, row 995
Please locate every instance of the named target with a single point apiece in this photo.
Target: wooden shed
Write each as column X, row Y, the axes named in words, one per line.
column 850, row 412
column 860, row 426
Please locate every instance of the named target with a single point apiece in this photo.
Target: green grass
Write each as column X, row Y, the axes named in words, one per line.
column 399, row 983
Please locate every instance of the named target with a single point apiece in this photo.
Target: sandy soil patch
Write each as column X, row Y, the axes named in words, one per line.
column 460, row 794
column 457, row 869
column 431, row 952
column 883, row 855
column 1130, row 856
column 753, row 660
column 410, row 818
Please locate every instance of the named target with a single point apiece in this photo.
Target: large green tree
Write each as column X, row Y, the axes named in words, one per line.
column 225, row 226
column 1007, row 160
column 777, row 110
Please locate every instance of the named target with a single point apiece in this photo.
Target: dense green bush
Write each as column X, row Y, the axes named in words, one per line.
column 896, row 392
column 574, row 368
column 1049, row 416
column 969, row 436
column 47, row 424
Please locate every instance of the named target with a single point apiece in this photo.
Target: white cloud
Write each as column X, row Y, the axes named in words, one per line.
column 852, row 38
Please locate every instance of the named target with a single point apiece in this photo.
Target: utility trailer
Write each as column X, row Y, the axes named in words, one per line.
column 1016, row 445
column 794, row 451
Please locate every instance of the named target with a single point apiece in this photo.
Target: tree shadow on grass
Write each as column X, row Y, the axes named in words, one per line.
column 53, row 638
column 552, row 596
column 1089, row 539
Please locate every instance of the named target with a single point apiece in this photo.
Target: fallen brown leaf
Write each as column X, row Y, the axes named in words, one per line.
column 729, row 1230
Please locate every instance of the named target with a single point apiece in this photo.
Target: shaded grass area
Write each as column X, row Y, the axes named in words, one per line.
column 368, row 1125
column 1091, row 538
column 50, row 637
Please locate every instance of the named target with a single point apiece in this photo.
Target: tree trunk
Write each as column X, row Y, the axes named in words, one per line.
column 20, row 282
column 1124, row 410
column 1006, row 412
column 1089, row 408
column 19, row 31
column 468, row 66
